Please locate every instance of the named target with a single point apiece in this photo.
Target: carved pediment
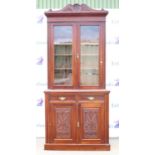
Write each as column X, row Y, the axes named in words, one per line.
column 75, row 10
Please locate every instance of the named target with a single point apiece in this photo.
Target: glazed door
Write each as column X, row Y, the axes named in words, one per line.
column 91, row 55
column 61, row 56
column 62, row 123
column 76, row 56
column 91, row 119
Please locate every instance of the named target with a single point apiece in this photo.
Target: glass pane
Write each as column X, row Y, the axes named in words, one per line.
column 63, row 55
column 89, row 59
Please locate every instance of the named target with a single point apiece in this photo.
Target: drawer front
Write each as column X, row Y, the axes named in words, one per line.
column 61, row 98
column 91, row 97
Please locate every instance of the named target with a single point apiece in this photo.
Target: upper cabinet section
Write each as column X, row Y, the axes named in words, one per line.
column 76, row 47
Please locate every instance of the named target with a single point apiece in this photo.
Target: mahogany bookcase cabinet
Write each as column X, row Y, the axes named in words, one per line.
column 76, row 101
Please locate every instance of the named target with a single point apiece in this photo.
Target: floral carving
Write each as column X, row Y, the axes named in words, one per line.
column 90, row 123
column 63, row 116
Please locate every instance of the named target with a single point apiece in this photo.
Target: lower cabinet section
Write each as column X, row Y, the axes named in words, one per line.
column 77, row 120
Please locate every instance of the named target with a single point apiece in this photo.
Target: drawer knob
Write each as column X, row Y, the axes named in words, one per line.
column 91, row 98
column 62, row 98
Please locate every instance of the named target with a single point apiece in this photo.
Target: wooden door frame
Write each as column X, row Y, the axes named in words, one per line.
column 52, row 114
column 102, row 59
column 51, row 58
column 101, row 124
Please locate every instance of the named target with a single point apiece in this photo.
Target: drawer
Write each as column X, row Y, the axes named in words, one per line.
column 61, row 98
column 91, row 98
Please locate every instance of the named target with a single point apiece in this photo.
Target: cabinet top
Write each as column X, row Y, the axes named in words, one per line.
column 77, row 90
column 76, row 10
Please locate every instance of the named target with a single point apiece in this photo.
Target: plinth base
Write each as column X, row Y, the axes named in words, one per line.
column 50, row 146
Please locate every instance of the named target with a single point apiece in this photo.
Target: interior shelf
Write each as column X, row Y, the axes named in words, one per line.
column 63, row 54
column 63, row 68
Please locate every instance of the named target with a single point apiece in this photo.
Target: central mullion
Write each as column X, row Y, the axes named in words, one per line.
column 78, row 55
column 75, row 61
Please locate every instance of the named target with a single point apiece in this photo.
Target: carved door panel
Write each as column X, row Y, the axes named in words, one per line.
column 63, row 122
column 91, row 123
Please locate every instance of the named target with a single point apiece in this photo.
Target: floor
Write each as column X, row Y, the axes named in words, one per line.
column 114, row 142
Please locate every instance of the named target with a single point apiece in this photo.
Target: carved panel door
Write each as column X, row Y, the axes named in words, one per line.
column 63, row 122
column 91, row 122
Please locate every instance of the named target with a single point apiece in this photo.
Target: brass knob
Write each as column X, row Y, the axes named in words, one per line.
column 78, row 124
column 62, row 98
column 91, row 98
column 77, row 56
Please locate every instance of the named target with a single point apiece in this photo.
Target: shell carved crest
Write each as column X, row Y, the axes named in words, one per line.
column 77, row 7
